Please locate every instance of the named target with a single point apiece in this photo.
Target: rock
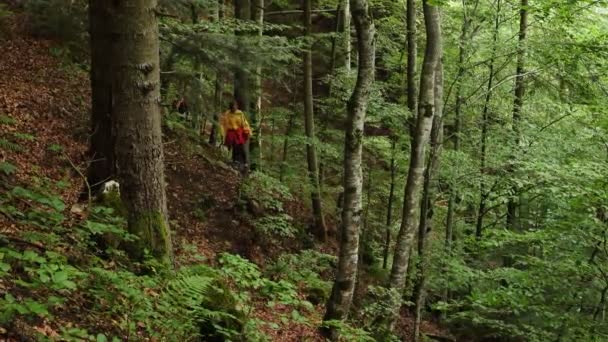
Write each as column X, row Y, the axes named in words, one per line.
column 78, row 209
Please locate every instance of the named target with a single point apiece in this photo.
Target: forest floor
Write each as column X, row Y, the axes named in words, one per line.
column 48, row 100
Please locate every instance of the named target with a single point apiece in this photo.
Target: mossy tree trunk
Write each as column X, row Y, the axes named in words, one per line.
column 137, row 122
column 339, row 303
column 101, row 145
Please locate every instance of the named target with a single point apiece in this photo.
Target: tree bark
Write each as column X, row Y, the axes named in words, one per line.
column 319, row 229
column 520, row 89
column 412, row 102
column 242, row 87
column 462, row 52
column 137, row 122
column 428, row 198
column 481, row 211
column 219, row 87
column 346, row 40
column 101, row 146
column 389, row 206
column 242, row 81
column 340, row 301
column 424, row 123
column 255, row 144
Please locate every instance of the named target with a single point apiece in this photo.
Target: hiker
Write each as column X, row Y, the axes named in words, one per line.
column 235, row 131
column 181, row 106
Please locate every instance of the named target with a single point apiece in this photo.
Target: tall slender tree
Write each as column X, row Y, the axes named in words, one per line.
column 340, row 301
column 389, row 205
column 520, row 89
column 256, row 113
column 137, row 123
column 101, row 148
column 319, row 229
column 346, row 20
column 412, row 51
column 428, row 198
column 413, row 187
column 219, row 85
column 483, row 193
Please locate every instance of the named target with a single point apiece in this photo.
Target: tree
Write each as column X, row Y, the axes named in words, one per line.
column 412, row 51
column 485, row 122
column 428, row 200
column 101, row 146
column 520, row 89
column 219, row 86
column 426, row 112
column 340, row 301
column 318, row 226
column 256, row 114
column 136, row 117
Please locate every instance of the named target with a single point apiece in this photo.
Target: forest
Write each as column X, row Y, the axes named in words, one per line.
column 312, row 170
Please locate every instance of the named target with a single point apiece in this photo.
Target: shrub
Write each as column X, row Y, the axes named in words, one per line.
column 276, row 226
column 305, row 269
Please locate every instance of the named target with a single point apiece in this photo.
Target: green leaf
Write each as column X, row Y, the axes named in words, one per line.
column 60, row 277
column 101, row 338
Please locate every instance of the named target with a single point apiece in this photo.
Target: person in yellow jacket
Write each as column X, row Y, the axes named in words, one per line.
column 235, row 132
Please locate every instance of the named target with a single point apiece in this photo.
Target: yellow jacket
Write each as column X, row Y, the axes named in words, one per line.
column 233, row 120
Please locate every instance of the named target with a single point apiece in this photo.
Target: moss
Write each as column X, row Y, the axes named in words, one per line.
column 153, row 233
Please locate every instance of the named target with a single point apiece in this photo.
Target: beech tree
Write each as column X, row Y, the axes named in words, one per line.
column 341, row 297
column 421, row 133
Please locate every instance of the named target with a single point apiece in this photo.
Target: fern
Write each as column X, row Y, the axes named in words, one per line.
column 24, row 136
column 6, row 120
column 7, row 168
column 10, row 146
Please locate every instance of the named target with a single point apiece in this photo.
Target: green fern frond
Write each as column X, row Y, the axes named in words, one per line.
column 10, row 146
column 6, row 120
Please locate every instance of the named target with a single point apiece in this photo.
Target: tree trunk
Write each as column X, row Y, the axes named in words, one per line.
column 412, row 51
column 137, row 121
column 286, row 147
column 255, row 144
column 483, row 195
column 219, row 87
column 340, row 301
column 346, row 39
column 319, row 230
column 101, row 148
column 428, row 198
column 462, row 52
column 389, row 205
column 424, row 123
column 242, row 86
column 520, row 89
